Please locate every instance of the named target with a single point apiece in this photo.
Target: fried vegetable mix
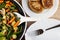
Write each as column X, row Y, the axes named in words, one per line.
column 9, row 28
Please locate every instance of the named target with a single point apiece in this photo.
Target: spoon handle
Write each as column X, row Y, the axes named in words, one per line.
column 53, row 27
column 24, row 19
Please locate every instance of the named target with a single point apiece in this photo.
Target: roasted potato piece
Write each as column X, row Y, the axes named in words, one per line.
column 35, row 6
column 47, row 3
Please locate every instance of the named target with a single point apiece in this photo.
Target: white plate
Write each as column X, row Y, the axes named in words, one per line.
column 53, row 34
column 45, row 13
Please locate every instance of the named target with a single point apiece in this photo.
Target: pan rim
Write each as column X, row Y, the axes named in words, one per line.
column 25, row 22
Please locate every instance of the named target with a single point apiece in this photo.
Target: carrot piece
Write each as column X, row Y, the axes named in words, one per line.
column 7, row 2
column 11, row 39
column 16, row 24
column 11, row 20
column 7, row 5
column 10, row 3
column 1, row 1
column 7, row 10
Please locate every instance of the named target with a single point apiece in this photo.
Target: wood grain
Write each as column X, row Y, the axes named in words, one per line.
column 57, row 14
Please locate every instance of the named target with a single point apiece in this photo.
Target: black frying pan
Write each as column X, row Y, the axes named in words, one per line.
column 20, row 9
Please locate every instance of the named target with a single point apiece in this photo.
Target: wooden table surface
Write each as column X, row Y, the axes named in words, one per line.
column 55, row 16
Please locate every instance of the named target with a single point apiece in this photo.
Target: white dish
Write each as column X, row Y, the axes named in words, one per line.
column 45, row 13
column 53, row 34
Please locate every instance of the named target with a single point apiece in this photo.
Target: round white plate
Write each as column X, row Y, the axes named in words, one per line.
column 45, row 13
column 53, row 34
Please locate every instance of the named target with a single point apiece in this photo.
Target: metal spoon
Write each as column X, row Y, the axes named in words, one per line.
column 24, row 19
column 41, row 31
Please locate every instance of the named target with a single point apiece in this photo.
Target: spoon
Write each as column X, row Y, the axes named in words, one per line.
column 41, row 31
column 24, row 19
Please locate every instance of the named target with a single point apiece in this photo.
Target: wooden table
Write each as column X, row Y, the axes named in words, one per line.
column 55, row 16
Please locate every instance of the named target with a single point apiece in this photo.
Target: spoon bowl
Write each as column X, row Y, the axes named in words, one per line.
column 24, row 19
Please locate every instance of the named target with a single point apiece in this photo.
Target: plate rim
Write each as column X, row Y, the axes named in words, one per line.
column 38, row 15
column 25, row 22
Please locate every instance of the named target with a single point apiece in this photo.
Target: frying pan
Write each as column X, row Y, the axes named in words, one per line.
column 24, row 25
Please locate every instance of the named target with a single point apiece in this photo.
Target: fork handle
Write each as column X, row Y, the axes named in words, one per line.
column 53, row 27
